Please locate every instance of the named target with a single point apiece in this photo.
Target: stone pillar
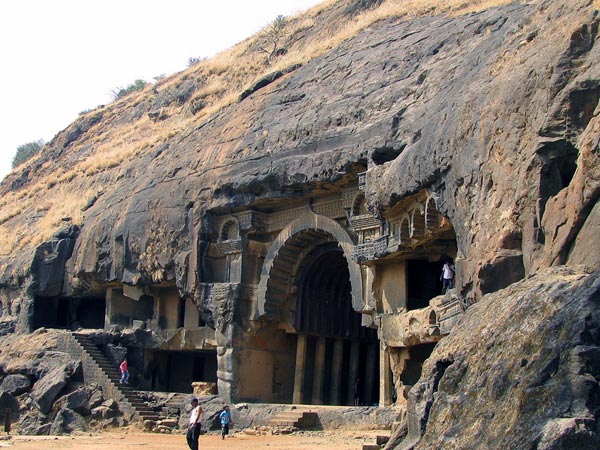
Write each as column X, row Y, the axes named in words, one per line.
column 336, row 372
column 319, row 378
column 300, row 366
column 370, row 373
column 385, row 378
column 353, row 371
column 108, row 308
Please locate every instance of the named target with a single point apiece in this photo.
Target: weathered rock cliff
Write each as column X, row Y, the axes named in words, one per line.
column 520, row 371
column 494, row 112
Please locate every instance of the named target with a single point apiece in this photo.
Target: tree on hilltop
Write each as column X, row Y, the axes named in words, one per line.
column 273, row 38
column 26, row 152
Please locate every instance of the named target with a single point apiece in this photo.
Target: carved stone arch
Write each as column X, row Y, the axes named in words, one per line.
column 405, row 229
column 359, row 205
column 320, row 227
column 433, row 218
column 417, row 215
column 230, row 229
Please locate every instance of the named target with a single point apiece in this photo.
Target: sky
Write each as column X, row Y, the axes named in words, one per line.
column 61, row 57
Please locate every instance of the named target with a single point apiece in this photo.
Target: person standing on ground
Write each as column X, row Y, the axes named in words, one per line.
column 193, row 432
column 447, row 276
column 124, row 372
column 225, row 418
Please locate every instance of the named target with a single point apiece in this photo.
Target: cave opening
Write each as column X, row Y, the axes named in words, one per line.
column 414, row 364
column 69, row 313
column 422, row 282
column 337, row 359
column 175, row 371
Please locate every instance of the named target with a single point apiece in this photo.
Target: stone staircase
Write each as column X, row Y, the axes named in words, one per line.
column 97, row 368
column 298, row 418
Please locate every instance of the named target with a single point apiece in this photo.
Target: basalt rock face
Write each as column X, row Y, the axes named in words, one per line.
column 520, row 371
column 494, row 111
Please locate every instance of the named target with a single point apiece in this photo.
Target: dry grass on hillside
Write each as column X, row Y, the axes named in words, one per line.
column 52, row 194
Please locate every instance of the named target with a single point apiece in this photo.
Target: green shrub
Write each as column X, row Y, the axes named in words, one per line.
column 26, row 152
column 137, row 85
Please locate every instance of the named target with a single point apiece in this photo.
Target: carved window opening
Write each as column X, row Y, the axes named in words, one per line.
column 405, row 231
column 359, row 208
column 229, row 231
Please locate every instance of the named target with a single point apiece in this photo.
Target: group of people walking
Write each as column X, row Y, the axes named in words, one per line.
column 194, row 427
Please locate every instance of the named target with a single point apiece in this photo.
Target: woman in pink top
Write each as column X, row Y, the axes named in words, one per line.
column 124, row 372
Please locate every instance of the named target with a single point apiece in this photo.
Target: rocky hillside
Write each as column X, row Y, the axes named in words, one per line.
column 499, row 382
column 491, row 105
column 494, row 110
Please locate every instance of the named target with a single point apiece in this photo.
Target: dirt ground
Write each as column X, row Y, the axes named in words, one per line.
column 136, row 440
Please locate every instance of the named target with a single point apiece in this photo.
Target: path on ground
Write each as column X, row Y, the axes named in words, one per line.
column 135, row 440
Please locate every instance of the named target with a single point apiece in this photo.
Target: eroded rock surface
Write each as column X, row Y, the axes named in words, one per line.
column 520, row 371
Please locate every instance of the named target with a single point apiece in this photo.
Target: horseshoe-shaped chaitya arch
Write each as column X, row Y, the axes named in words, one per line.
column 318, row 227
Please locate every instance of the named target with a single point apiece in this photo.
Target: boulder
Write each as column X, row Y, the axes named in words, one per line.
column 16, row 384
column 78, row 401
column 32, row 424
column 48, row 265
column 50, row 360
column 66, row 422
column 531, row 383
column 202, row 388
column 96, row 395
column 48, row 387
column 103, row 412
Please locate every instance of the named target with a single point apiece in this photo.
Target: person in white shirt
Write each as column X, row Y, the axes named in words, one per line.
column 193, row 433
column 447, row 276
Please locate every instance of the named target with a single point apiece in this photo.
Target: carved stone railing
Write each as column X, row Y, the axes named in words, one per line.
column 362, row 181
column 370, row 250
column 363, row 221
column 449, row 310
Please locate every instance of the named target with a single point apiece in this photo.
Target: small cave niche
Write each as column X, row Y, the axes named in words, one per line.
column 558, row 165
column 123, row 310
column 414, row 365
column 382, row 155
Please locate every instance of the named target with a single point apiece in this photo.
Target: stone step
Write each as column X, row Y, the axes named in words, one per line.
column 109, row 373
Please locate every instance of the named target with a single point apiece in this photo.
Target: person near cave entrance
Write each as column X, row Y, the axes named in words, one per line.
column 225, row 418
column 194, row 427
column 447, row 276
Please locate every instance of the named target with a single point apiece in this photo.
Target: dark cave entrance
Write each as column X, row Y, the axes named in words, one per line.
column 414, row 364
column 175, row 371
column 422, row 282
column 337, row 359
column 68, row 313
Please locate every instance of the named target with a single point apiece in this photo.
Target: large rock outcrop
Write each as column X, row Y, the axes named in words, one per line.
column 520, row 371
column 495, row 111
